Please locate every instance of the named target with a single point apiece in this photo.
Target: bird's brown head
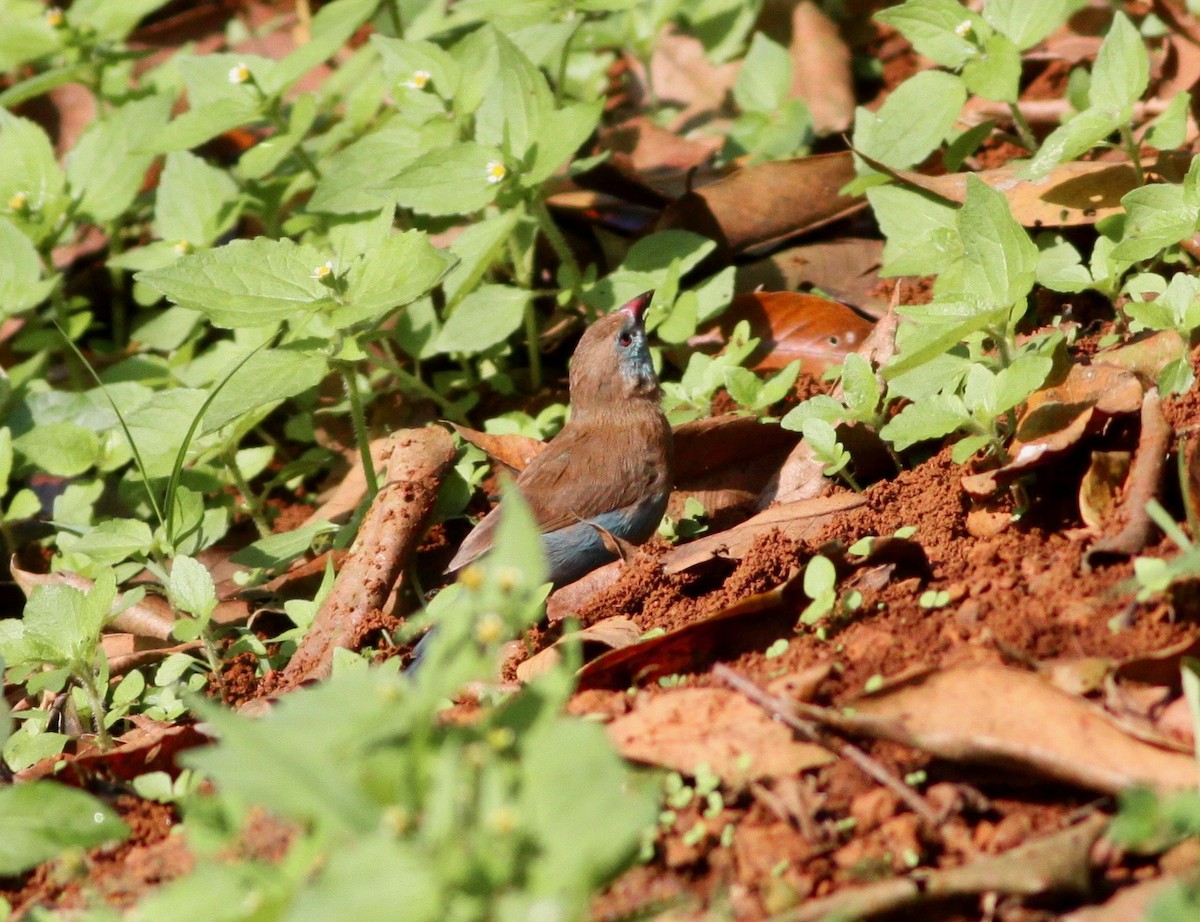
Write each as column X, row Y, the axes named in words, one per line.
column 612, row 361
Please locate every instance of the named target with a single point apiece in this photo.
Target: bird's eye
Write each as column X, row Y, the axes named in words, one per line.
column 625, row 339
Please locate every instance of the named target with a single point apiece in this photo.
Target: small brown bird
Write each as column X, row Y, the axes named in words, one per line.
column 607, row 474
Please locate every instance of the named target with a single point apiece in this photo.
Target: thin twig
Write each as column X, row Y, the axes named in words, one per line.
column 781, row 709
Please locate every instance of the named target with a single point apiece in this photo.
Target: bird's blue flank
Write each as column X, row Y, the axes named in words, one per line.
column 576, row 550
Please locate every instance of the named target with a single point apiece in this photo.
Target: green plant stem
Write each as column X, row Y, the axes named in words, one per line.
column 1023, row 129
column 359, row 419
column 251, row 500
column 1135, row 154
column 850, row 481
column 214, row 660
column 559, row 244
column 413, row 383
column 96, row 704
column 524, row 276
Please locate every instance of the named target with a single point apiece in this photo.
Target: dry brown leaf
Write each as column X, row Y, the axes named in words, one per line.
column 513, row 451
column 129, row 651
column 845, row 267
column 767, row 202
column 151, row 617
column 644, row 153
column 1146, row 357
column 685, row 78
column 1073, row 193
column 821, row 74
column 790, row 325
column 985, row 713
column 690, row 727
column 609, row 634
column 798, row 520
column 1100, row 489
column 1130, row 904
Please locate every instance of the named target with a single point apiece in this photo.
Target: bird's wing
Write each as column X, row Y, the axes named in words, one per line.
column 580, row 474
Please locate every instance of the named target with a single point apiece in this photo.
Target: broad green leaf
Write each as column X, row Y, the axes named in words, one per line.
column 564, row 130
column 275, row 550
column 860, row 387
column 454, row 180
column 203, row 123
column 934, row 418
column 936, row 328
column 1169, row 130
column 329, row 30
column 1068, row 141
column 996, row 72
column 663, row 250
column 21, row 282
column 477, row 248
column 1176, row 377
column 32, row 185
column 402, row 269
column 112, row 541
column 192, row 588
column 1159, row 216
column 822, row 439
column 41, row 819
column 268, row 153
column 208, row 77
column 922, row 238
column 999, row 259
column 938, row 29
column 420, row 64
column 62, row 624
column 358, row 178
column 765, row 77
column 1122, row 70
column 912, row 121
column 158, row 426
column 62, row 449
column 512, row 115
column 112, row 19
column 1060, row 267
column 26, row 36
column 266, row 377
column 195, row 202
column 245, row 283
column 106, row 168
column 1025, row 22
column 485, row 317
column 1015, row 383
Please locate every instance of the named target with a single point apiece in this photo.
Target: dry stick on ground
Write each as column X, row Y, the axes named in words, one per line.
column 1142, row 486
column 781, row 709
column 1057, row 863
column 416, row 463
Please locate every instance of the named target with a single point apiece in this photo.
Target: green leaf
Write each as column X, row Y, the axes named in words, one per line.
column 912, row 121
column 822, row 439
column 41, row 819
column 564, row 130
column 449, row 181
column 275, row 550
column 195, row 202
column 477, row 248
column 860, row 388
column 405, row 59
column 62, row 624
column 112, row 19
column 268, row 153
column 996, row 72
column 1122, row 70
column 1068, row 141
column 192, row 588
column 266, row 377
column 329, row 30
column 933, row 28
column 934, row 418
column 765, row 77
column 485, row 317
column 399, row 271
column 513, row 113
column 21, row 284
column 245, row 283
column 1169, row 130
column 922, row 235
column 820, row 576
column 1015, row 383
column 106, row 168
column 63, row 449
column 112, row 541
column 1176, row 377
column 31, row 174
column 1060, row 267
column 999, row 259
column 203, row 123
column 1024, row 22
column 1159, row 216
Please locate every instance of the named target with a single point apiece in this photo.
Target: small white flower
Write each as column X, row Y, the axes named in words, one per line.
column 19, row 202
column 496, row 171
column 239, row 73
column 55, row 18
column 489, row 629
column 324, row 271
column 963, row 28
column 183, row 247
column 419, row 79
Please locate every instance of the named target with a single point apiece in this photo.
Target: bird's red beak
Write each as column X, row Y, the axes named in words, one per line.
column 636, row 308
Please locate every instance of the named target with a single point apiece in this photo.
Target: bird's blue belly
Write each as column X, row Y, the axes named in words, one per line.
column 576, row 550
